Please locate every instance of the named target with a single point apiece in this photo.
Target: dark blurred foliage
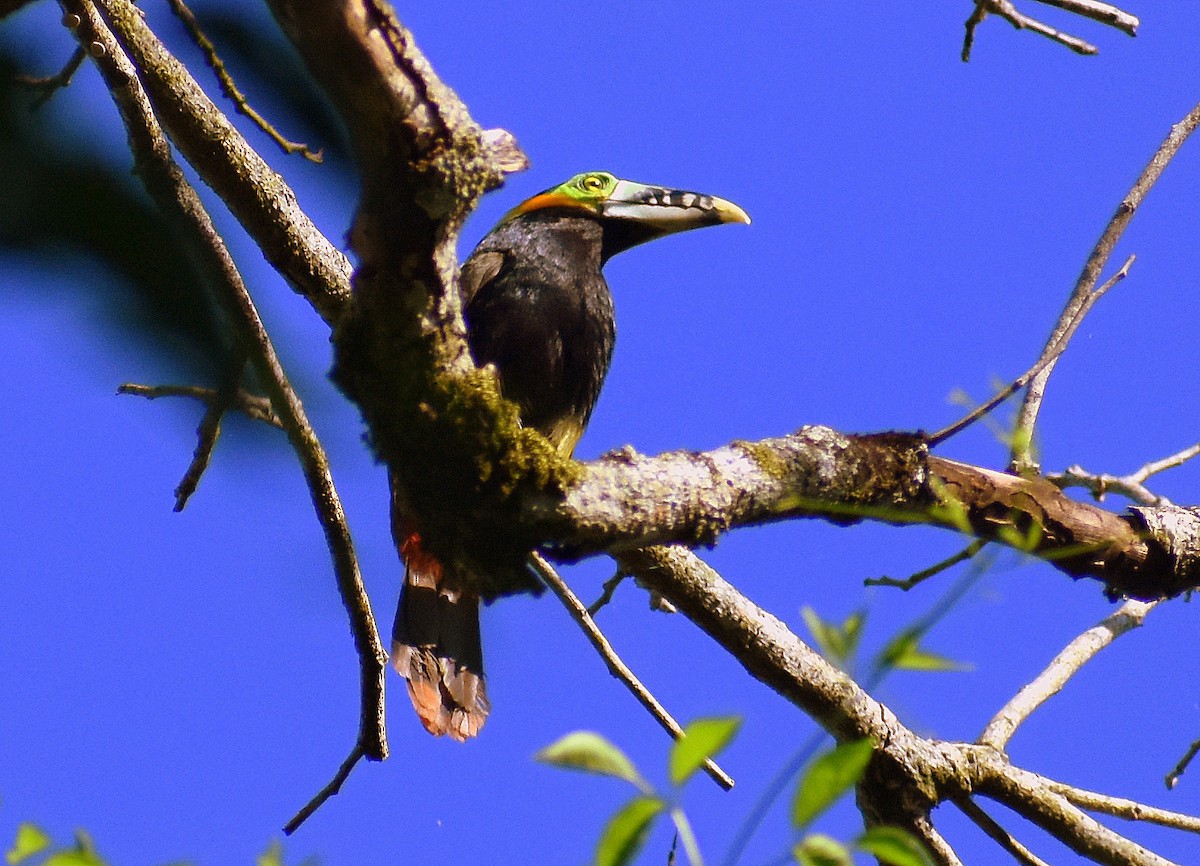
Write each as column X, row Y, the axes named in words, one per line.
column 60, row 201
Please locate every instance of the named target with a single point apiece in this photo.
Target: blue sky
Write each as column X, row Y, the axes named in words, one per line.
column 179, row 684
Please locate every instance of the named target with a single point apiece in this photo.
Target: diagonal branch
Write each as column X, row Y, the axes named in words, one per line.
column 909, row 774
column 257, row 195
column 165, row 182
column 1002, row 837
column 1009, row 12
column 1105, row 13
column 1081, row 296
column 1064, row 666
column 229, row 86
column 616, row 666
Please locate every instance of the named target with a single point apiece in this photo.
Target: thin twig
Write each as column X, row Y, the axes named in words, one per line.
column 169, row 188
column 251, row 405
column 1090, row 275
column 1173, row 777
column 51, row 84
column 936, row 844
column 209, row 431
column 606, row 594
column 230, row 89
column 1002, row 837
column 1060, row 340
column 1006, row 10
column 619, row 669
column 1065, row 665
column 335, row 785
column 924, row 574
column 1105, row 13
column 1130, row 810
column 1131, row 486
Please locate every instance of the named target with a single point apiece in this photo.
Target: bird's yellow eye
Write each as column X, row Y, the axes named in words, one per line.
column 594, row 182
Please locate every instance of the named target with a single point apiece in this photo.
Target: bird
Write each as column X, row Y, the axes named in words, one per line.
column 538, row 311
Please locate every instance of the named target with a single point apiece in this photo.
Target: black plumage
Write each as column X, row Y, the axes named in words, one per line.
column 539, row 311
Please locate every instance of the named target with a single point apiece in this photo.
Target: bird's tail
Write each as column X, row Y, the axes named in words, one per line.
column 436, row 647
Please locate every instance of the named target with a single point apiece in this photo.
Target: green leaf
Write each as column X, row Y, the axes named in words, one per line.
column 820, row 850
column 836, row 643
column 830, row 776
column 894, row 846
column 31, row 839
column 826, row 635
column 586, row 750
column 904, row 652
column 627, row 831
column 273, row 856
column 701, row 740
column 77, row 857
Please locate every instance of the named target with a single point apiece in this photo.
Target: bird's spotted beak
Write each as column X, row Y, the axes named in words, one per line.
column 668, row 210
column 631, row 213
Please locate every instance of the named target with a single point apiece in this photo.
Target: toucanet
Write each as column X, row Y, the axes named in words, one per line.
column 539, row 311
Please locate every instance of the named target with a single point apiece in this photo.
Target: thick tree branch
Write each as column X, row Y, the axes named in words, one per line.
column 909, row 774
column 258, row 196
column 401, row 351
column 626, row 500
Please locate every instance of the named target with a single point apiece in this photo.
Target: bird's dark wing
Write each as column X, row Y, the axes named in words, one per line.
column 478, row 271
column 549, row 347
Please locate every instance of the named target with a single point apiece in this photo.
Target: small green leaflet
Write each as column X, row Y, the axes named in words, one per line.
column 626, row 832
column 893, row 846
column 837, row 643
column 829, row 776
column 587, row 750
column 31, row 839
column 821, row 850
column 904, row 652
column 701, row 740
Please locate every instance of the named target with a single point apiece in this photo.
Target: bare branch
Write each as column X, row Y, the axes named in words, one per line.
column 209, row 431
column 1130, row 810
column 1006, row 10
column 1049, row 355
column 1172, row 778
column 924, row 574
column 1040, row 800
column 51, row 84
column 251, row 405
column 935, row 843
column 616, row 666
column 169, row 188
column 230, row 89
column 1080, row 299
column 1002, row 837
column 908, row 775
column 1105, row 13
column 1131, row 486
column 1064, row 666
column 259, row 197
column 606, row 594
column 335, row 785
